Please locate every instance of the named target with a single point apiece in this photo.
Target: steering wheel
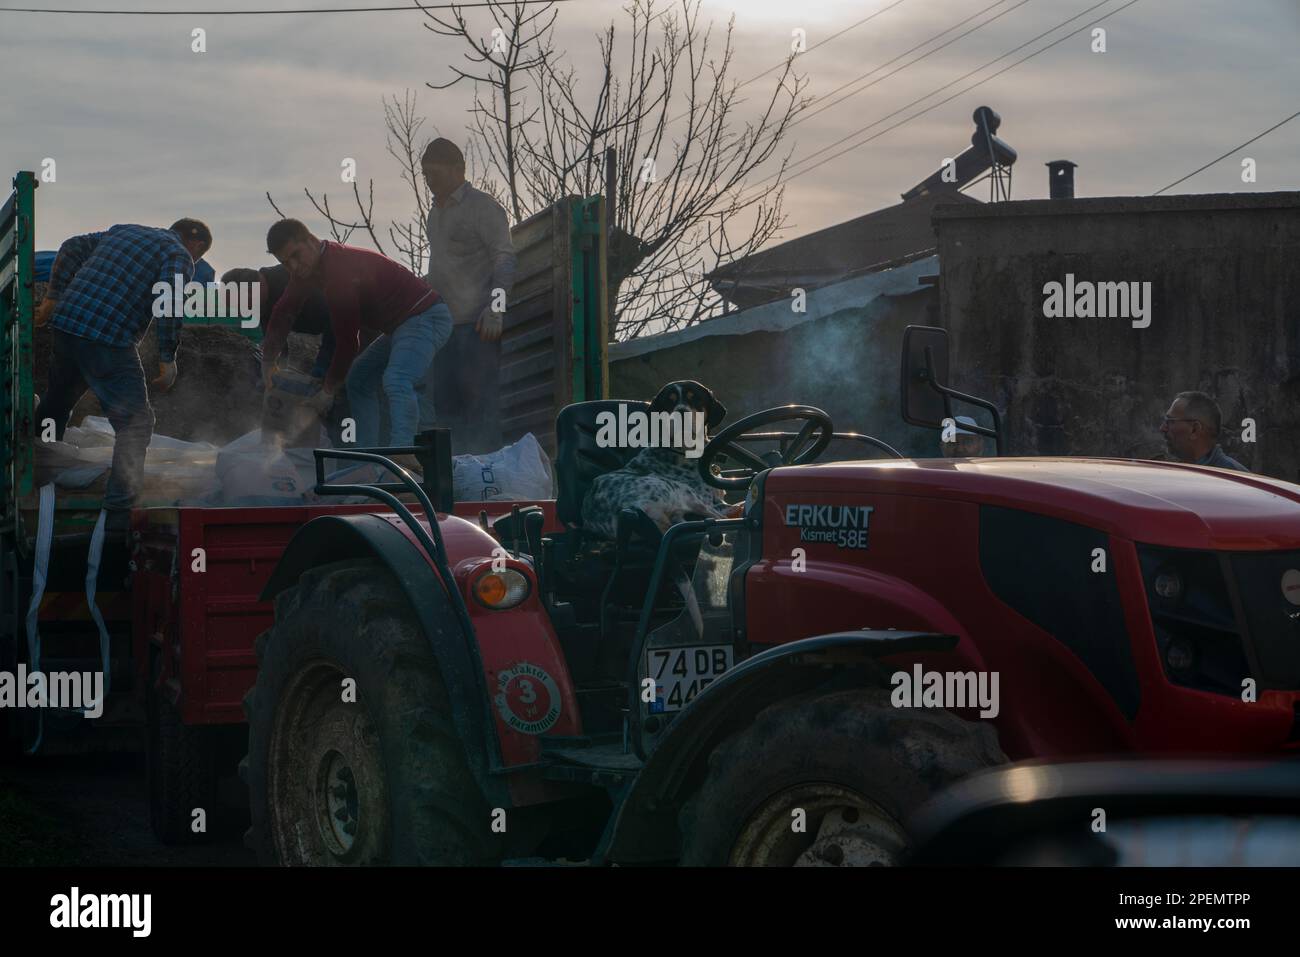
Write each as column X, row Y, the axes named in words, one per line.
column 807, row 444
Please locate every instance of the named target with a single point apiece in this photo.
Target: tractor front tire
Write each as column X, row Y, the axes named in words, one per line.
column 353, row 757
column 827, row 779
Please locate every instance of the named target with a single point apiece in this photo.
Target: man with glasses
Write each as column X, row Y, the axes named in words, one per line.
column 1191, row 431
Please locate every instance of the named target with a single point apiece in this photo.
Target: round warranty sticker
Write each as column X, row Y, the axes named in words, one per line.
column 527, row 698
column 1291, row 585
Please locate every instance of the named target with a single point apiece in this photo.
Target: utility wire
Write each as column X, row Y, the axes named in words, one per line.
column 1227, row 154
column 822, row 109
column 836, row 35
column 918, row 46
column 944, row 87
column 833, row 36
column 409, row 8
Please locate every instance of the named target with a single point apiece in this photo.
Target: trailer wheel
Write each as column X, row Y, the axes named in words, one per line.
column 353, row 756
column 827, row 780
column 181, row 767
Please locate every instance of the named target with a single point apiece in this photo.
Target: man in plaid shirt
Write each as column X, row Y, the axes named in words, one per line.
column 101, row 300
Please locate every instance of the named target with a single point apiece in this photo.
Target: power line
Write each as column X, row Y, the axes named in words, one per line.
column 945, row 86
column 918, row 46
column 833, row 36
column 978, row 83
column 409, row 8
column 1227, row 154
column 822, row 109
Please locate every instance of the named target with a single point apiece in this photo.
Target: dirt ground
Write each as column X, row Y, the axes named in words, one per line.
column 92, row 810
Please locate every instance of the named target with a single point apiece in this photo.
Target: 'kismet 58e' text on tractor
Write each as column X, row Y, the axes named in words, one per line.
column 452, row 691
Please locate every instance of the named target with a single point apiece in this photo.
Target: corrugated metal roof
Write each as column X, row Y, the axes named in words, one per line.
column 864, row 245
column 854, row 293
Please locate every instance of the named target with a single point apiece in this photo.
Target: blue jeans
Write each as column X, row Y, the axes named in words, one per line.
column 116, row 377
column 393, row 365
column 462, row 387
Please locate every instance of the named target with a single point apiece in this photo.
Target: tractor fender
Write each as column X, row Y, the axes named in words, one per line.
column 332, row 538
column 644, row 828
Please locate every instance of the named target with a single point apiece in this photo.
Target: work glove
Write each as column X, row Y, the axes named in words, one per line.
column 489, row 325
column 320, row 402
column 166, row 376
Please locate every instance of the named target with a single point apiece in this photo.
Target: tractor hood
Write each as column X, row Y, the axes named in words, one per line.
column 1183, row 506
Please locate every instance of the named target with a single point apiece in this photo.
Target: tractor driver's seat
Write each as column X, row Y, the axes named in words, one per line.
column 602, row 586
column 579, row 460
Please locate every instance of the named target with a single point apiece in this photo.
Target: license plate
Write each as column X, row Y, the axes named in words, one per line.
column 682, row 673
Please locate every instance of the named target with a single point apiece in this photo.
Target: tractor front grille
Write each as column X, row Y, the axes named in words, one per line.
column 1197, row 633
column 1223, row 617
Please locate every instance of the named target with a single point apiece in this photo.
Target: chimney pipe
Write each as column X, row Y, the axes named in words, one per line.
column 1061, row 179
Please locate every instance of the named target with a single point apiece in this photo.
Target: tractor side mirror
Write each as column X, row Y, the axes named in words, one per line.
column 925, row 361
column 926, row 394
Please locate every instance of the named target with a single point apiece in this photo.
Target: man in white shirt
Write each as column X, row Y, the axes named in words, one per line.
column 472, row 265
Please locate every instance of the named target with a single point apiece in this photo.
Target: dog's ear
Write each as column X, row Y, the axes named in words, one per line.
column 717, row 411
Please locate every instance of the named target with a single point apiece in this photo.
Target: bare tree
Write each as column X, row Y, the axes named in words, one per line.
column 663, row 95
column 405, row 145
column 503, row 63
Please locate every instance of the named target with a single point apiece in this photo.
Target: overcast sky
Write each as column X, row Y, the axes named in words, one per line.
column 144, row 130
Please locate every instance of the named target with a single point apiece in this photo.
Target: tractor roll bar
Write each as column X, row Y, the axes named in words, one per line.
column 430, row 540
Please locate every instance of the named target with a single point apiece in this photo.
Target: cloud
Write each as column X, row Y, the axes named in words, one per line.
column 142, row 127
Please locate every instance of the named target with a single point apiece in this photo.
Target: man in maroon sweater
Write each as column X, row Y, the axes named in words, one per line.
column 361, row 289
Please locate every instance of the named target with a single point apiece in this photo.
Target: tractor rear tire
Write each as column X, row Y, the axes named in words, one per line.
column 353, row 756
column 827, row 779
column 181, row 769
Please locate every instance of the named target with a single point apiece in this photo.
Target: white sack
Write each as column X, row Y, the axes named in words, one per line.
column 518, row 472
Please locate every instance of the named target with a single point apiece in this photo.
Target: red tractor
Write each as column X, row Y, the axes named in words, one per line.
column 454, row 692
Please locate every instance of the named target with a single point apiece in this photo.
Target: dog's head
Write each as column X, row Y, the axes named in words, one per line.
column 687, row 395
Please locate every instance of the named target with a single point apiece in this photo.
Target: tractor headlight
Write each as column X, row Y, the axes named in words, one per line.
column 1178, row 656
column 1196, row 631
column 500, row 590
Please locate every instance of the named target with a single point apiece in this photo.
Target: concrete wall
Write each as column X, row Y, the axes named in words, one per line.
column 843, row 356
column 1225, row 275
